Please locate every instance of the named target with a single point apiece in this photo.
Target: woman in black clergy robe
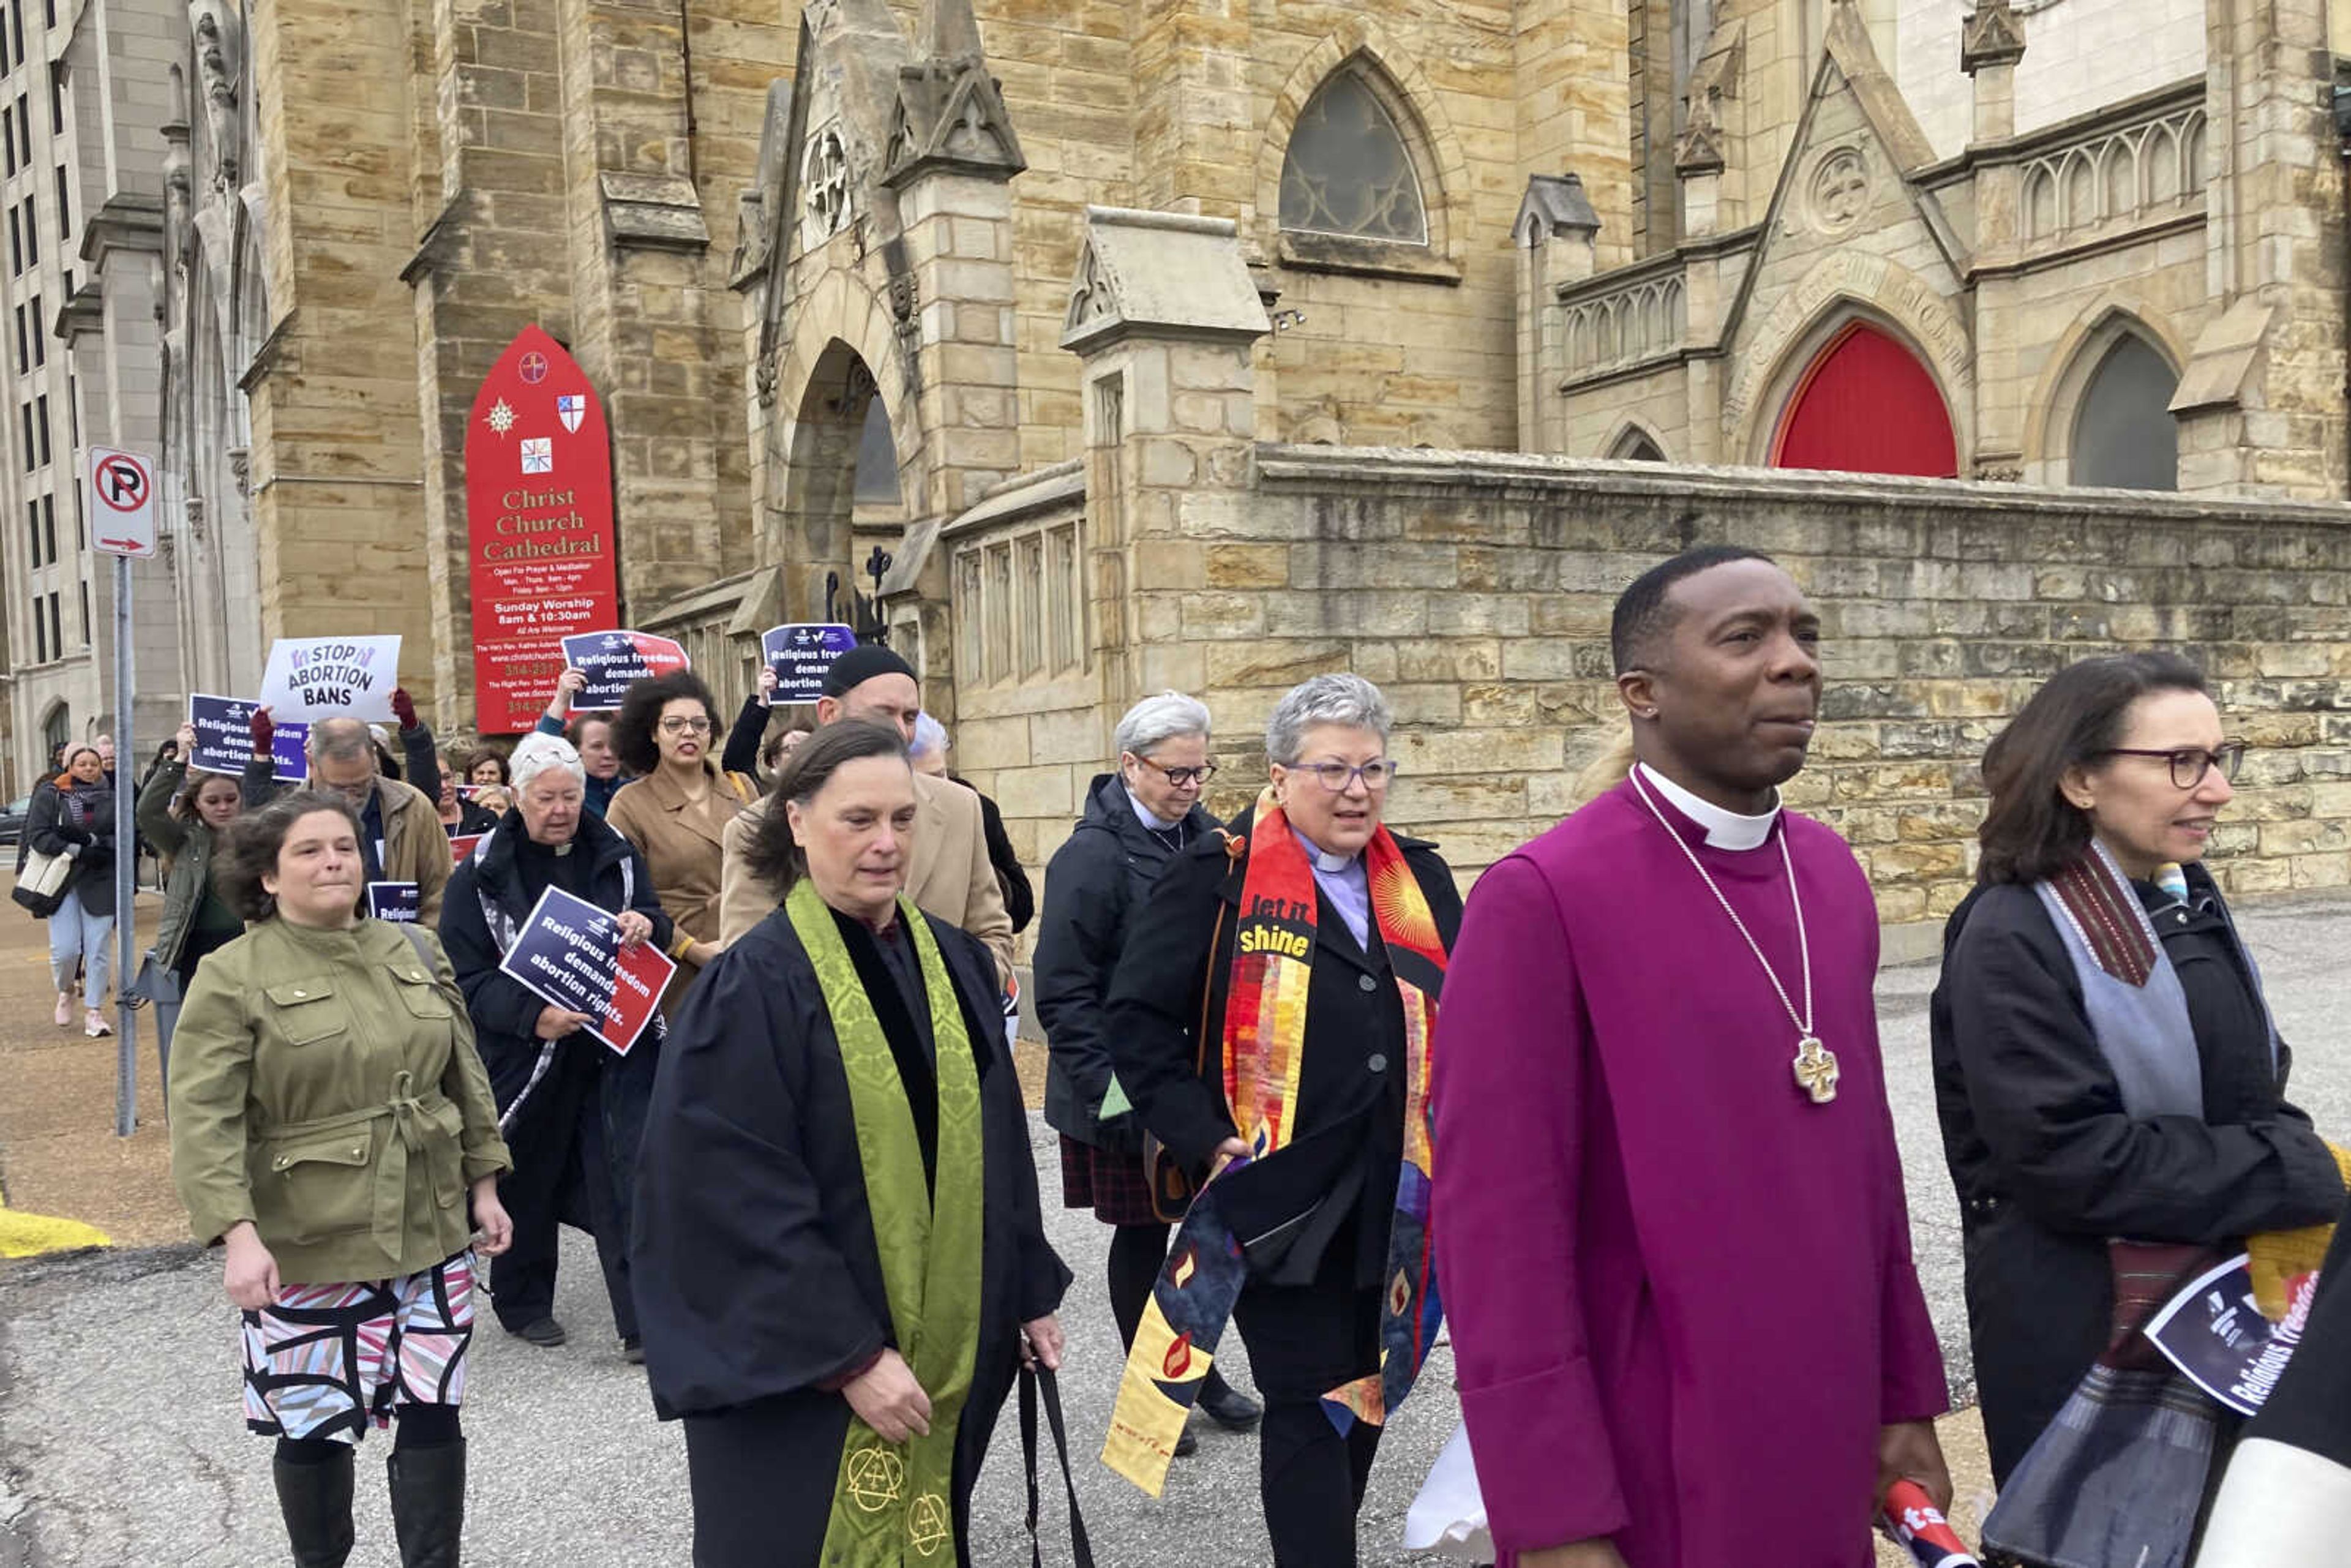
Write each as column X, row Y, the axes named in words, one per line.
column 777, row 1257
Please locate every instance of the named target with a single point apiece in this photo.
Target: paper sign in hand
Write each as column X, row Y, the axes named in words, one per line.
column 801, row 655
column 615, row 661
column 568, row 953
column 312, row 678
column 400, row 901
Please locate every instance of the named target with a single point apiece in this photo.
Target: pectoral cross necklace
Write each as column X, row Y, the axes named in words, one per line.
column 1814, row 1065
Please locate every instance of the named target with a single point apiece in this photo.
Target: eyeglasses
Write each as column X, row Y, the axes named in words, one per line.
column 2190, row 763
column 1180, row 777
column 674, row 726
column 1338, row 777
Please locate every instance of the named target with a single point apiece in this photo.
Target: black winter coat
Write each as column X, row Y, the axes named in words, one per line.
column 757, row 1273
column 1341, row 1164
column 63, row 818
column 1094, row 884
column 2048, row 1165
column 505, row 1012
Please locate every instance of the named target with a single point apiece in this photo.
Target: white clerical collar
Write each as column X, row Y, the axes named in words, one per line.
column 1151, row 819
column 1724, row 830
column 1323, row 860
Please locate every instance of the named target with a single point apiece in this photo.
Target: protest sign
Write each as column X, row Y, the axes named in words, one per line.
column 462, row 847
column 400, row 901
column 614, row 660
column 223, row 728
column 801, row 655
column 289, row 752
column 311, row 678
column 538, row 525
column 2215, row 1333
column 568, row 953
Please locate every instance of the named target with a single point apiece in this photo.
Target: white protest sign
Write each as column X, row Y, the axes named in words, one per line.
column 313, row 678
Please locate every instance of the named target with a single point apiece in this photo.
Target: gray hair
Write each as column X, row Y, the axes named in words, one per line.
column 1348, row 700
column 1154, row 721
column 537, row 754
column 339, row 740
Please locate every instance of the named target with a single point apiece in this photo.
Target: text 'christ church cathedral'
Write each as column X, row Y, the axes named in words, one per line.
column 1213, row 343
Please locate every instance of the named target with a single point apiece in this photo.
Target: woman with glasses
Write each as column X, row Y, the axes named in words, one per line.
column 2104, row 1064
column 1137, row 819
column 1297, row 957
column 676, row 811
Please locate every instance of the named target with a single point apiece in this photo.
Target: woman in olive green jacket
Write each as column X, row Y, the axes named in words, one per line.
column 329, row 1122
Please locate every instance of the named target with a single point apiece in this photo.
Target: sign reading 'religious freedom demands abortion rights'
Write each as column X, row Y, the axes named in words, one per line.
column 311, row 678
column 614, row 660
column 801, row 655
column 538, row 525
column 400, row 901
column 568, row 953
column 223, row 728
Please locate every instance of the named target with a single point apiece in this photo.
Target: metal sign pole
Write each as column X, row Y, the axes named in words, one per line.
column 126, row 867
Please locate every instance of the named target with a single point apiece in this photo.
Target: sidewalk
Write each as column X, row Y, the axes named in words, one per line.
column 58, row 1154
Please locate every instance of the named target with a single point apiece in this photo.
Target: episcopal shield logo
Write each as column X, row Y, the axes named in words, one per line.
column 571, row 408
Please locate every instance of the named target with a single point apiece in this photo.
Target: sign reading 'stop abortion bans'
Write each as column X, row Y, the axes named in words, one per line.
column 312, row 678
column 568, row 953
column 801, row 655
column 538, row 520
column 614, row 660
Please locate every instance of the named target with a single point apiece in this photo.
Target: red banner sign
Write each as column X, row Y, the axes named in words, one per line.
column 538, row 514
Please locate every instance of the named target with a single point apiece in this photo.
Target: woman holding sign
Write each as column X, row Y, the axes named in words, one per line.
column 841, row 1259
column 677, row 811
column 329, row 1122
column 572, row 1109
column 184, row 812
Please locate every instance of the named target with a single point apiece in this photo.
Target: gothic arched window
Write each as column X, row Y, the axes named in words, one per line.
column 1347, row 170
column 2124, row 435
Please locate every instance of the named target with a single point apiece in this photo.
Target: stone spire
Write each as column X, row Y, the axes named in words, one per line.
column 950, row 32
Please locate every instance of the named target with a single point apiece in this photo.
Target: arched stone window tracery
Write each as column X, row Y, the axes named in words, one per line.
column 1349, row 170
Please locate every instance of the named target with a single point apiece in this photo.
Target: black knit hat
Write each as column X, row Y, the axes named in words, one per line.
column 860, row 664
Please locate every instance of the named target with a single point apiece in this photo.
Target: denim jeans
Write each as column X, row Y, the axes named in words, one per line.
column 77, row 936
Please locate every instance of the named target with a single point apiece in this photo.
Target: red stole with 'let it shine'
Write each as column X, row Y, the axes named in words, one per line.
column 1263, row 1053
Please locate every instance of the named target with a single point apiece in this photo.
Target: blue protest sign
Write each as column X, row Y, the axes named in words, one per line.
column 223, row 728
column 288, row 752
column 568, row 953
column 615, row 661
column 801, row 655
column 400, row 901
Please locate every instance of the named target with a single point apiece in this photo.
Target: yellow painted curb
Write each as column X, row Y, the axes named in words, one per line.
column 26, row 1235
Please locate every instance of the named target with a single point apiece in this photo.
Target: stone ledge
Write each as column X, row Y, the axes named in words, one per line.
column 653, row 212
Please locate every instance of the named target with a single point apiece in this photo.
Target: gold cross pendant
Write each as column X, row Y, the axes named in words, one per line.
column 1816, row 1069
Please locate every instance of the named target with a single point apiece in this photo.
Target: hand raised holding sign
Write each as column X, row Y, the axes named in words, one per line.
column 633, row 928
column 185, row 741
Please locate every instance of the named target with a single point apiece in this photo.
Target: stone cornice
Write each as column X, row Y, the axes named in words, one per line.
column 130, row 221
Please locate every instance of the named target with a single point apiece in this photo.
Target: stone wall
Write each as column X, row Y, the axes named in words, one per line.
column 1477, row 590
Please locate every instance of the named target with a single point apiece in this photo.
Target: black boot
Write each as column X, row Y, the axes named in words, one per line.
column 428, row 1503
column 1227, row 1407
column 317, row 1502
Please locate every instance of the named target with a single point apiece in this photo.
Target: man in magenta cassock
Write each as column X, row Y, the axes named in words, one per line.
column 1674, row 1245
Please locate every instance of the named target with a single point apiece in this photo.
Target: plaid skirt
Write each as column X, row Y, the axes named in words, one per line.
column 1113, row 1184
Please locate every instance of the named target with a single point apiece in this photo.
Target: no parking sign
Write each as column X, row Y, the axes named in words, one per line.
column 122, row 490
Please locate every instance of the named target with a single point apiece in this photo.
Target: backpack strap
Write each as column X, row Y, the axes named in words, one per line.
column 1032, row 1380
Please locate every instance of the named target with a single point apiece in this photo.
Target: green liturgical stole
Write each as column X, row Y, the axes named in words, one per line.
column 892, row 1503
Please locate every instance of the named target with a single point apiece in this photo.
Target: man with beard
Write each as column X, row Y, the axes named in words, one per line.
column 1676, row 1254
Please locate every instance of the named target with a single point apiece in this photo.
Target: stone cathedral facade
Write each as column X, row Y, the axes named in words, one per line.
column 1210, row 342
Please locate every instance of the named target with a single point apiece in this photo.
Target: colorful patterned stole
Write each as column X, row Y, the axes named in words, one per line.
column 892, row 1503
column 1264, row 1042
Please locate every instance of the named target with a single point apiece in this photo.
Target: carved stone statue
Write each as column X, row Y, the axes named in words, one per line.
column 220, row 70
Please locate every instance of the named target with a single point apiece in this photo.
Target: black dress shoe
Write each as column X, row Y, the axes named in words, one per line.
column 545, row 1334
column 1187, row 1445
column 633, row 1351
column 1229, row 1407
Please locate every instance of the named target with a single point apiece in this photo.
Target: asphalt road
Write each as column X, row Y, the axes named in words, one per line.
column 120, row 1441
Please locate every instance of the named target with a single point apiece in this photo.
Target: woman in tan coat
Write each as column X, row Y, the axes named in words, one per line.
column 329, row 1122
column 675, row 812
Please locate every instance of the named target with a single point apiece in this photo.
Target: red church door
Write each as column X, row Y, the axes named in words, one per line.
column 1867, row 406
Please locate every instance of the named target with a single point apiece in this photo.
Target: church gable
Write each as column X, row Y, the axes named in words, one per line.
column 1846, row 223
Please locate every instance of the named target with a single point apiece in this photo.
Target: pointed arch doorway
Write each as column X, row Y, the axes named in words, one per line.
column 1866, row 405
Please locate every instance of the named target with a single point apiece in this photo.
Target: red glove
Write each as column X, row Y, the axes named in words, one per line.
column 264, row 732
column 403, row 707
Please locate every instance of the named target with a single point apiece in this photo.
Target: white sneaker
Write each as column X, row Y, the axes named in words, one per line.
column 65, row 1011
column 94, row 1024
